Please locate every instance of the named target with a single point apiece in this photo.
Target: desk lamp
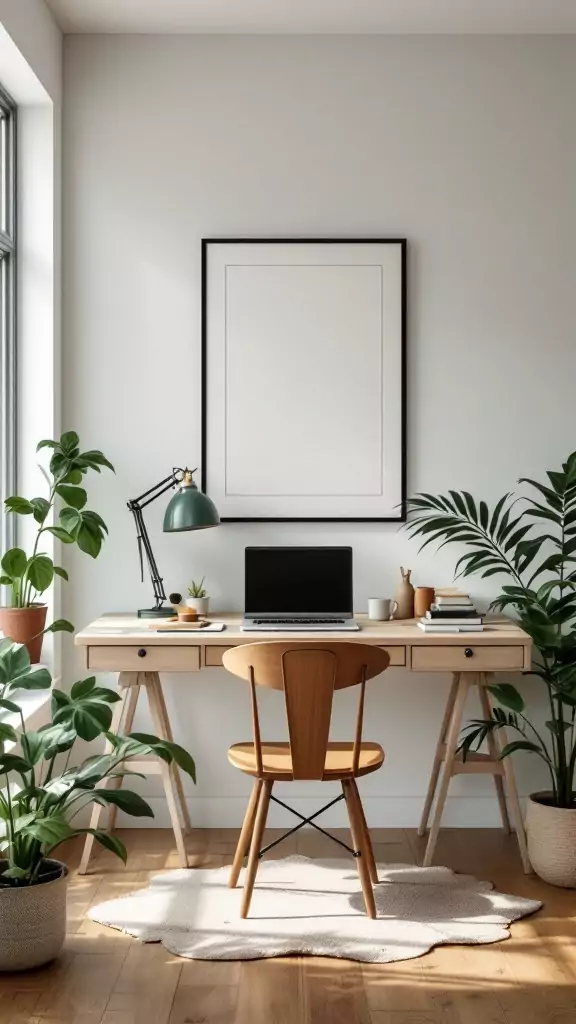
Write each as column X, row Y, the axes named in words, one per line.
column 188, row 509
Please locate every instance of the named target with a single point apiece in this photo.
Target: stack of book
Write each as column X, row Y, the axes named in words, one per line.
column 452, row 612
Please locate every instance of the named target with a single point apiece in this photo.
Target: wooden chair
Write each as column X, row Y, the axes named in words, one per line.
column 308, row 672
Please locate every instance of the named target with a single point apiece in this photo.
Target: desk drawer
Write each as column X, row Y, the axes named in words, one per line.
column 213, row 654
column 484, row 658
column 155, row 659
column 397, row 655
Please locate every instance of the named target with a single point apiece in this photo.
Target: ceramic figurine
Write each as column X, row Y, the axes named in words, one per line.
column 405, row 596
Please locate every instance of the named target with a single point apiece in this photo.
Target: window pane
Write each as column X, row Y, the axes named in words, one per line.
column 3, row 171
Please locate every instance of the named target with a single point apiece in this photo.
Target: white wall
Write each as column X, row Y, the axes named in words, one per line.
column 465, row 145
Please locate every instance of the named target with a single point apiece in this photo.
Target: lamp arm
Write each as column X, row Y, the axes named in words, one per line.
column 144, row 542
column 171, row 481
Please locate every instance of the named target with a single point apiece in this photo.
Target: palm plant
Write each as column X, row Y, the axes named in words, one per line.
column 40, row 793
column 531, row 541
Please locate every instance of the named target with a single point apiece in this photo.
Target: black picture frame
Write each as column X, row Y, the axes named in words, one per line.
column 392, row 240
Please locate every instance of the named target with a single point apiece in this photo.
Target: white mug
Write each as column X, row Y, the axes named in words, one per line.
column 380, row 608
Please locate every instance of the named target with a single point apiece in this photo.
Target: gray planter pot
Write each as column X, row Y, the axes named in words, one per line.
column 33, row 920
column 551, row 835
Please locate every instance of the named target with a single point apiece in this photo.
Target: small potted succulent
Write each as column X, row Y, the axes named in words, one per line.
column 27, row 577
column 41, row 795
column 198, row 597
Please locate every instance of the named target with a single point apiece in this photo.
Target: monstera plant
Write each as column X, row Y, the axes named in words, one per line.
column 530, row 542
column 43, row 791
column 28, row 576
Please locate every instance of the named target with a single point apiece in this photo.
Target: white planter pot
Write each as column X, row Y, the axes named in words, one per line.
column 33, row 921
column 551, row 835
column 200, row 604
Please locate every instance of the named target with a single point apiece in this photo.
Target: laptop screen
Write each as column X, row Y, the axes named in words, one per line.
column 299, row 581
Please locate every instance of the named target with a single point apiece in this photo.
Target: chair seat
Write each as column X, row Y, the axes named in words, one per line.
column 277, row 760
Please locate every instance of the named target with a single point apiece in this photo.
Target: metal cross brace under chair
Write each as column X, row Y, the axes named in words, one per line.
column 308, row 821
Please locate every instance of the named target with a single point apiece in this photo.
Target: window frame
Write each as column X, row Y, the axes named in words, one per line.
column 8, row 348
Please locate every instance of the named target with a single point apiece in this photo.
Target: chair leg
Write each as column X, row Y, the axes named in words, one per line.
column 359, row 845
column 245, row 834
column 366, row 834
column 259, row 826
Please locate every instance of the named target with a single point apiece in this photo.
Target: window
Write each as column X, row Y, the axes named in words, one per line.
column 7, row 310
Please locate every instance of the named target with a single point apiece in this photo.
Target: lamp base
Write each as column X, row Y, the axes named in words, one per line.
column 156, row 613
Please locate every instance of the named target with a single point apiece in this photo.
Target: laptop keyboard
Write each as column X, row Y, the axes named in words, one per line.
column 299, row 622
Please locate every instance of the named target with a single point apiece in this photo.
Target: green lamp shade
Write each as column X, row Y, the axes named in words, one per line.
column 190, row 509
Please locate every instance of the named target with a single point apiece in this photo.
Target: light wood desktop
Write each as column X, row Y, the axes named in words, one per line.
column 124, row 644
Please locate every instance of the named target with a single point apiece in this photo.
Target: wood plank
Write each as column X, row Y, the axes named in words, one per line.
column 207, row 992
column 332, row 992
column 145, row 989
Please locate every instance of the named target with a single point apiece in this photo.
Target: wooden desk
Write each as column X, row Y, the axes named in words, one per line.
column 125, row 644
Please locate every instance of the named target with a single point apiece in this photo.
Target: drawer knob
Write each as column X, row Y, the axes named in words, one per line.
column 142, row 652
column 468, row 652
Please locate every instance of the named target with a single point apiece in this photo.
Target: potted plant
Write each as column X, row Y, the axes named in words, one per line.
column 28, row 577
column 198, row 597
column 540, row 564
column 41, row 795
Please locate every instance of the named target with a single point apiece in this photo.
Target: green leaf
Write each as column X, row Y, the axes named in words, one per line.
column 496, row 513
column 83, row 687
column 40, row 572
column 9, row 705
column 71, row 520
column 16, row 872
column 32, row 746
column 14, row 563
column 61, row 534
column 107, row 840
column 19, row 505
column 59, row 571
column 46, row 444
column 76, row 497
column 39, row 679
column 41, row 509
column 484, row 515
column 508, row 696
column 89, row 539
column 182, row 758
column 95, row 459
column 511, row 748
column 125, row 800
column 92, row 720
column 557, row 728
column 69, row 441
column 49, row 831
column 5, row 581
column 471, row 505
column 7, row 732
column 13, row 763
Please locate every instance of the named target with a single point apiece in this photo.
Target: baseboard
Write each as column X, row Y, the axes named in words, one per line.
column 381, row 812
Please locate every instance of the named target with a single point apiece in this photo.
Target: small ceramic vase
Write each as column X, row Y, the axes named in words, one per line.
column 405, row 596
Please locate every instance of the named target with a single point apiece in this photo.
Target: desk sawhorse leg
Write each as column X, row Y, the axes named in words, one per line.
column 130, row 684
column 449, row 763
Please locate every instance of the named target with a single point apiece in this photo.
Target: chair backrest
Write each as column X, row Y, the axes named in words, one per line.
column 308, row 672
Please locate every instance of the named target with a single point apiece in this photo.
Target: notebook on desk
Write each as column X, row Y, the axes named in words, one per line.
column 300, row 589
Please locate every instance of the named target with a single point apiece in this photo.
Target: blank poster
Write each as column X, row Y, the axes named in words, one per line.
column 303, row 365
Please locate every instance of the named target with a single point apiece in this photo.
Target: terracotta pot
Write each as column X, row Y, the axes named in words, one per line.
column 23, row 625
column 423, row 601
column 551, row 835
column 33, row 920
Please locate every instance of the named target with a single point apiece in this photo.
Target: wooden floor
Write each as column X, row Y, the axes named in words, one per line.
column 104, row 977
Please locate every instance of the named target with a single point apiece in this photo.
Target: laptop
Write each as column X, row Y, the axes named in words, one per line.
column 302, row 589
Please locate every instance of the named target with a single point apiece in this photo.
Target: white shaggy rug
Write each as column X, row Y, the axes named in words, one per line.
column 315, row 907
